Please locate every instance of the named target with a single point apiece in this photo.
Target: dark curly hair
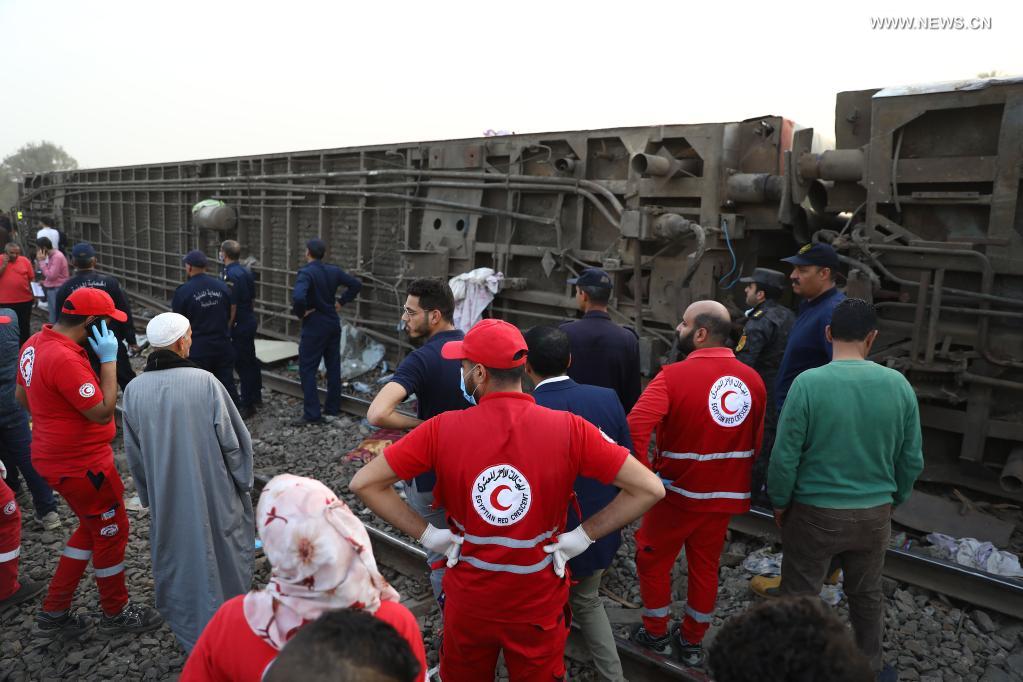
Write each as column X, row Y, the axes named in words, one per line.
column 791, row 639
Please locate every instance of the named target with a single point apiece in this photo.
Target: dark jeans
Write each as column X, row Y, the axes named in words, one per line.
column 16, row 453
column 24, row 313
column 221, row 367
column 758, row 483
column 812, row 536
column 321, row 338
column 247, row 366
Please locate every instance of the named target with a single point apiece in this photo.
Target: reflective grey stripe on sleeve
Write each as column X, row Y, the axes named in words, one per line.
column 76, row 553
column 704, row 496
column 506, row 568
column 740, row 454
column 112, row 570
column 10, row 556
column 699, row 616
column 657, row 613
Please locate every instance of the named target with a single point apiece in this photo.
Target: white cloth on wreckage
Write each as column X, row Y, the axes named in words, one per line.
column 191, row 457
column 473, row 291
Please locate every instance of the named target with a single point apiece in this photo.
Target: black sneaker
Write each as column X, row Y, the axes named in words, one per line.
column 66, row 624
column 686, row 653
column 247, row 411
column 28, row 589
column 133, row 618
column 660, row 645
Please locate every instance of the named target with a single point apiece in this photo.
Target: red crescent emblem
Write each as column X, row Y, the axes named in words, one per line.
column 724, row 402
column 494, row 501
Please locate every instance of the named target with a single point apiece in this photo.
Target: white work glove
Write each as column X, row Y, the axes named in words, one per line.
column 442, row 541
column 3, row 470
column 568, row 546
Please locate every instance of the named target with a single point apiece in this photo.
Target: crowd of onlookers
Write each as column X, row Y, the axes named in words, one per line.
column 527, row 455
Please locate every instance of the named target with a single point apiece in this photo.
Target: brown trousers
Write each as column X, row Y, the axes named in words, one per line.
column 857, row 538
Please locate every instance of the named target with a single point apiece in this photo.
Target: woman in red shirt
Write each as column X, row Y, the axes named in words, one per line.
column 16, row 275
column 321, row 559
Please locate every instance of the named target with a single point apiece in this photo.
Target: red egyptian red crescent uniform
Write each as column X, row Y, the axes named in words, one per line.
column 505, row 470
column 73, row 454
column 709, row 414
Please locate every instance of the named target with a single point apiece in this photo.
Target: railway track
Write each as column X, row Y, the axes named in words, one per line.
column 639, row 664
column 976, row 587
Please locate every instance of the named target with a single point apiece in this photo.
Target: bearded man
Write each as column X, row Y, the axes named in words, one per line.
column 708, row 411
column 429, row 317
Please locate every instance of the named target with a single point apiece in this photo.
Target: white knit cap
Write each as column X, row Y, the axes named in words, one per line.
column 166, row 328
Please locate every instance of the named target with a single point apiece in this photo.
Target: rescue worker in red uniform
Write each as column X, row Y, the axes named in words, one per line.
column 709, row 414
column 505, row 470
column 73, row 423
column 12, row 591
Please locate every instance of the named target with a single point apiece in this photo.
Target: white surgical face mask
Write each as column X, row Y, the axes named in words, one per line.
column 471, row 399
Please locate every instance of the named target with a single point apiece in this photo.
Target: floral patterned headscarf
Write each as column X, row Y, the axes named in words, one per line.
column 320, row 556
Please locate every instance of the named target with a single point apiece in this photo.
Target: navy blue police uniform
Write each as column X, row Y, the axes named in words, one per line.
column 762, row 346
column 315, row 293
column 603, row 353
column 602, row 408
column 808, row 346
column 123, row 331
column 242, row 285
column 436, row 383
column 206, row 302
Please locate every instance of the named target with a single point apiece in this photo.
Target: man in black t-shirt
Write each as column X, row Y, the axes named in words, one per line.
column 436, row 382
column 83, row 256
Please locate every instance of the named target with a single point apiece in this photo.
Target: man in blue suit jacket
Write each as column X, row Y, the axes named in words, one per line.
column 548, row 360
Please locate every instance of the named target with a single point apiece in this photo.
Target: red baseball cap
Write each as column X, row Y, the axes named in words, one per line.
column 492, row 343
column 88, row 301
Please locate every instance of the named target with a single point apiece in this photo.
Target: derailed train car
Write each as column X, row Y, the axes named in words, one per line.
column 922, row 196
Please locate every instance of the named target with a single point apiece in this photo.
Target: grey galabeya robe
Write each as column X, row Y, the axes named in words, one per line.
column 191, row 457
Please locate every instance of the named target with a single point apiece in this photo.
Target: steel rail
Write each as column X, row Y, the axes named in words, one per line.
column 640, row 665
column 973, row 586
column 970, row 585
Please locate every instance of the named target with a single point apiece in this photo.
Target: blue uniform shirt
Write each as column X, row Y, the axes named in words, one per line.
column 206, row 302
column 316, row 288
column 242, row 285
column 605, row 354
column 601, row 407
column 436, row 383
column 807, row 347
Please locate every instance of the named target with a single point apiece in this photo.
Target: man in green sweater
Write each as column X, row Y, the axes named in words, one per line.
column 848, row 450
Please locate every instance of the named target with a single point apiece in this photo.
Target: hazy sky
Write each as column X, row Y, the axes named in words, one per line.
column 134, row 82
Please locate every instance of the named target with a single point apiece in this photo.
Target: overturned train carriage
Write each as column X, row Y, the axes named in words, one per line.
column 921, row 195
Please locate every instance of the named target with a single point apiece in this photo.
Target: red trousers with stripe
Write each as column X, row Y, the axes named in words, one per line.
column 665, row 529
column 102, row 536
column 10, row 542
column 533, row 651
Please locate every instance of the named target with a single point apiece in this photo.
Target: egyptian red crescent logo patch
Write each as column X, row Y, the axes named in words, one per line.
column 501, row 495
column 729, row 401
column 27, row 362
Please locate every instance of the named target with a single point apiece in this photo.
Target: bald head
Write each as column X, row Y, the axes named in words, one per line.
column 705, row 324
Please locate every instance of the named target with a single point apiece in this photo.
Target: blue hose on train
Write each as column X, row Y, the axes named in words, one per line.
column 735, row 261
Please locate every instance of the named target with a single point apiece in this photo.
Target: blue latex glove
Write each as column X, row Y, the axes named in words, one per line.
column 104, row 343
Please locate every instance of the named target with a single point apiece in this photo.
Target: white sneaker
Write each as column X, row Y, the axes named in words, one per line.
column 50, row 521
